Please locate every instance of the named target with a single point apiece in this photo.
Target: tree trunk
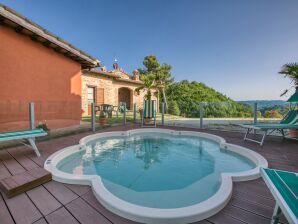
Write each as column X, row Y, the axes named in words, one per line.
column 165, row 99
column 149, row 94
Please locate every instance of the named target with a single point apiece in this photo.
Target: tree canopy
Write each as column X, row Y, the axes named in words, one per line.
column 184, row 96
column 189, row 94
column 290, row 70
column 160, row 72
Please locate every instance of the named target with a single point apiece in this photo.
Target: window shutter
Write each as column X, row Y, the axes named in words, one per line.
column 99, row 96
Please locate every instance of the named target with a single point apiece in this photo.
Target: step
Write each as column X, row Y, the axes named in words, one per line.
column 25, row 181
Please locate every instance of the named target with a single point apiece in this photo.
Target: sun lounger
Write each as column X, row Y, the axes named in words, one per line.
column 289, row 121
column 149, row 113
column 29, row 135
column 284, row 188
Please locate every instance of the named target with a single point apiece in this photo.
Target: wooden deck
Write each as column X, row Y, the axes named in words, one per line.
column 55, row 202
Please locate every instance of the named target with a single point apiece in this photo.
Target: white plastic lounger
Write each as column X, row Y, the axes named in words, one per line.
column 284, row 188
column 29, row 135
column 289, row 121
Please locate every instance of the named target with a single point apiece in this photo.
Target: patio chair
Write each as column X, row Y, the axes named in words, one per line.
column 29, row 135
column 149, row 112
column 284, row 188
column 290, row 120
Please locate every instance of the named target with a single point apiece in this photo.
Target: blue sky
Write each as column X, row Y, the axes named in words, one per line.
column 235, row 46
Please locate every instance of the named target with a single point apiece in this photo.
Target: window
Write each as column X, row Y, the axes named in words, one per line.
column 91, row 95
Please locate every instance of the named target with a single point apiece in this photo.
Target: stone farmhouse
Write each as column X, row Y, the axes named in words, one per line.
column 111, row 87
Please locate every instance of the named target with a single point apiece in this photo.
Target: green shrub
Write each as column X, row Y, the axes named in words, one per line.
column 173, row 108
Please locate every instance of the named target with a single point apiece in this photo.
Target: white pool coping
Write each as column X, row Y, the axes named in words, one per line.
column 143, row 214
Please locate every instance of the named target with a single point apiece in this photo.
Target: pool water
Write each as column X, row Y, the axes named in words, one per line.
column 158, row 171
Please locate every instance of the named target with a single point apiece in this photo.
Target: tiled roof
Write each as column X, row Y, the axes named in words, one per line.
column 37, row 33
column 112, row 75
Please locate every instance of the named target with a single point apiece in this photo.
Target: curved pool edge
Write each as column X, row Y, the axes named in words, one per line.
column 142, row 214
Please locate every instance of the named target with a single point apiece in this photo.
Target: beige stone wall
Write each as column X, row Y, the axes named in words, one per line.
column 111, row 87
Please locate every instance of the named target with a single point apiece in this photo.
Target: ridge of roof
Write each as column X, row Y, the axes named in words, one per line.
column 109, row 74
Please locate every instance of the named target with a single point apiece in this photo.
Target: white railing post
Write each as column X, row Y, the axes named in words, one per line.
column 255, row 114
column 93, row 117
column 162, row 113
column 201, row 114
column 31, row 115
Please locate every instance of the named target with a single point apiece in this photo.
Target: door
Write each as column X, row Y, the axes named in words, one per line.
column 90, row 97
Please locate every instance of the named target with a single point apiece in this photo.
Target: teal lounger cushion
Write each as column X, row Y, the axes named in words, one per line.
column 287, row 185
column 20, row 133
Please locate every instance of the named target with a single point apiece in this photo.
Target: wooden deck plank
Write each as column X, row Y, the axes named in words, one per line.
column 39, row 160
column 252, row 207
column 43, row 200
column 78, row 189
column 202, row 222
column 245, row 216
column 60, row 192
column 61, row 216
column 19, row 154
column 283, row 167
column 91, row 200
column 243, row 191
column 22, row 209
column 46, row 149
column 223, row 218
column 252, row 187
column 11, row 164
column 41, row 221
column 5, row 216
column 84, row 213
column 4, row 173
column 251, row 196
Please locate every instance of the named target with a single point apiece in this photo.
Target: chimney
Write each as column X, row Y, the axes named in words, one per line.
column 104, row 69
column 115, row 65
column 136, row 75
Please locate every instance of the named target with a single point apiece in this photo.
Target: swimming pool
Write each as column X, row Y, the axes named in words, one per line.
column 157, row 175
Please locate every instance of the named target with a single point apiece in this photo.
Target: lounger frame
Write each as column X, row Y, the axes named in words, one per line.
column 290, row 120
column 267, row 131
column 149, row 126
column 30, row 138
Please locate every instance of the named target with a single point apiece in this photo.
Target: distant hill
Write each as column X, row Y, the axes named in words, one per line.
column 189, row 94
column 264, row 103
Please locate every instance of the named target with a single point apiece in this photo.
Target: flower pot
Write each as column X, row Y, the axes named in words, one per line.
column 102, row 121
column 293, row 132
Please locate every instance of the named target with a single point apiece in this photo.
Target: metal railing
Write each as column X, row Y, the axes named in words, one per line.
column 205, row 115
column 227, row 116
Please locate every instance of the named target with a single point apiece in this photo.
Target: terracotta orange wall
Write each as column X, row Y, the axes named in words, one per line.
column 31, row 72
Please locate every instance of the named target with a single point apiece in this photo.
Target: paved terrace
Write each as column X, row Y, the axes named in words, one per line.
column 55, row 202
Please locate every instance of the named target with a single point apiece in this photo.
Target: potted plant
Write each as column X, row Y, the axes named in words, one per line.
column 43, row 125
column 290, row 70
column 102, row 118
